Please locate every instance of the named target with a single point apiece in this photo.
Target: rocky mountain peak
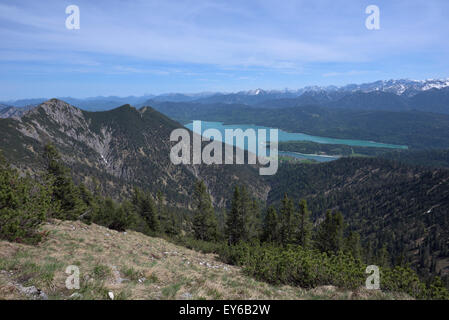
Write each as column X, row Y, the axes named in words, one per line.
column 59, row 111
column 56, row 105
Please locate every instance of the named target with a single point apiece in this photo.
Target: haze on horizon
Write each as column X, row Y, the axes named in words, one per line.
column 153, row 47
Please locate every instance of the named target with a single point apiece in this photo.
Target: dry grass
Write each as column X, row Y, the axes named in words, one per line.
column 134, row 266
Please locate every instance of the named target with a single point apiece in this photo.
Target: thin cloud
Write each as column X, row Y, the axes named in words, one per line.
column 285, row 43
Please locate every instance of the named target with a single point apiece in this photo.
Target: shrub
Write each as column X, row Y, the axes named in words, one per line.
column 24, row 205
column 132, row 274
column 437, row 290
column 101, row 272
column 308, row 268
column 198, row 245
column 402, row 279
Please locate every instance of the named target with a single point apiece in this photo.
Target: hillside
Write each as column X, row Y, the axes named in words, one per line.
column 438, row 158
column 134, row 266
column 117, row 150
column 401, row 206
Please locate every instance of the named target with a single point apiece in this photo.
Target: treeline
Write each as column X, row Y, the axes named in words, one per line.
column 279, row 245
column 284, row 246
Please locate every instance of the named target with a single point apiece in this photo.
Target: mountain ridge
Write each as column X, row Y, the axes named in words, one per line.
column 402, row 87
column 122, row 148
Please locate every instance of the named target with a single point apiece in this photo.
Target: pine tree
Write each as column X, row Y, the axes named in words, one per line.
column 235, row 221
column 163, row 214
column 90, row 202
column 383, row 257
column 65, row 193
column 253, row 221
column 221, row 222
column 122, row 217
column 271, row 226
column 304, row 235
column 24, row 205
column 289, row 221
column 352, row 245
column 146, row 208
column 330, row 233
column 149, row 213
column 369, row 256
column 8, row 180
column 106, row 209
column 172, row 227
column 204, row 220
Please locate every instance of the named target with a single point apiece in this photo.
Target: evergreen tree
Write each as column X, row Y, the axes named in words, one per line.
column 245, row 207
column 8, row 180
column 304, row 235
column 149, row 213
column 352, row 245
column 106, row 209
column 163, row 214
column 271, row 226
column 383, row 258
column 204, row 220
column 289, row 221
column 146, row 208
column 65, row 194
column 24, row 205
column 172, row 227
column 253, row 222
column 330, row 233
column 235, row 220
column 369, row 254
column 122, row 217
column 90, row 201
column 221, row 222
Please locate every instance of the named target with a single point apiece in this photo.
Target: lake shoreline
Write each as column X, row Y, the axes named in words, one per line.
column 287, row 137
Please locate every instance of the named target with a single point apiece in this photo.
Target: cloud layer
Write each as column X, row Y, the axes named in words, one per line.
column 195, row 45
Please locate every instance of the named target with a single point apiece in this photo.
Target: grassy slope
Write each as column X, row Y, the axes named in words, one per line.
column 153, row 267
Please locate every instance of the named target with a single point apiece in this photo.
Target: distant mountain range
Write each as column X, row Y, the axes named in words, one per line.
column 437, row 90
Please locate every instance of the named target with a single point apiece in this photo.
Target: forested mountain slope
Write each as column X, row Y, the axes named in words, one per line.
column 117, row 150
column 404, row 207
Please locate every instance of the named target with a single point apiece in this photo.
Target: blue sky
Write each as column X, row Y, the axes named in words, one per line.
column 151, row 47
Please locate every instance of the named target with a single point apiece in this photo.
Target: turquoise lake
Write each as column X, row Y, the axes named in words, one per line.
column 288, row 136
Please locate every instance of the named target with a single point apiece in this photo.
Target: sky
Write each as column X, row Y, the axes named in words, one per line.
column 125, row 48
